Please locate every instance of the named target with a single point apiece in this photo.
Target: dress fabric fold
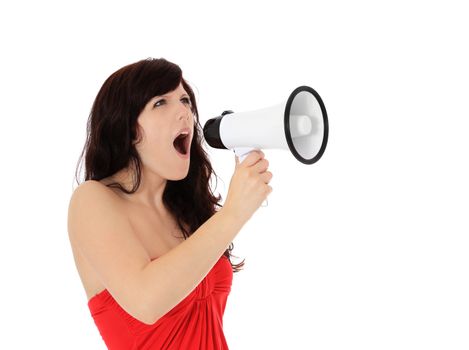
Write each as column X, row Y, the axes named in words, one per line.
column 195, row 323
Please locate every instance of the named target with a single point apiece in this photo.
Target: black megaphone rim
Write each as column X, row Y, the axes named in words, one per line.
column 287, row 125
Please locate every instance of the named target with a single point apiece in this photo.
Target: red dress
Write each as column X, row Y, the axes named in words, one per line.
column 195, row 323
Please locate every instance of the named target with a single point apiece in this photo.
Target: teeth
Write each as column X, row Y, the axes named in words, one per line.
column 184, row 133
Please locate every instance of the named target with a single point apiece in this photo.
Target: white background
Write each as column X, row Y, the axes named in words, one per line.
column 366, row 249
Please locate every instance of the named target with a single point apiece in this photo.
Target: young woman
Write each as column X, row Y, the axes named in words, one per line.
column 151, row 247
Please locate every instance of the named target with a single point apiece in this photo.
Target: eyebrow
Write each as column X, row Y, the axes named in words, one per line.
column 184, row 94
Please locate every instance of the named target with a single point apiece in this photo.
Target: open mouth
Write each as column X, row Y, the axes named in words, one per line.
column 181, row 143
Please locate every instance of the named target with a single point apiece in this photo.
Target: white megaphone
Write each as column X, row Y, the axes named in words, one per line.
column 300, row 125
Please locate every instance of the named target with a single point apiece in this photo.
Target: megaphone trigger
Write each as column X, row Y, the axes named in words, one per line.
column 243, row 152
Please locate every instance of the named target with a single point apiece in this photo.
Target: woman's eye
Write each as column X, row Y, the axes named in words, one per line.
column 156, row 103
column 184, row 99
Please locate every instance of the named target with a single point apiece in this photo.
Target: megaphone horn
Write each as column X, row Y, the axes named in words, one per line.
column 300, row 124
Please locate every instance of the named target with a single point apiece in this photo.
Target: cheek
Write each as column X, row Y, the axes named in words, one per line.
column 157, row 142
column 155, row 132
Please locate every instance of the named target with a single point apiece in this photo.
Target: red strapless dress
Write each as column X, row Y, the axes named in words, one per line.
column 195, row 323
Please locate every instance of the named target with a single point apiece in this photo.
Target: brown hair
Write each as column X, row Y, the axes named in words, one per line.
column 112, row 128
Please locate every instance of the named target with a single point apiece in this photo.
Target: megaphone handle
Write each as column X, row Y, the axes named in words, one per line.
column 242, row 153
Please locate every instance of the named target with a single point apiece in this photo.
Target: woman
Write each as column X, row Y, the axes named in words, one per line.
column 151, row 248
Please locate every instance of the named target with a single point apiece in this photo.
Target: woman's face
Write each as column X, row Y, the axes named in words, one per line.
column 161, row 120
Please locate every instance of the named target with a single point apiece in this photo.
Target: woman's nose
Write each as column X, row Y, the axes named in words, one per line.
column 184, row 115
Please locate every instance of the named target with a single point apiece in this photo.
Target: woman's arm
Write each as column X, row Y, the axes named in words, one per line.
column 146, row 289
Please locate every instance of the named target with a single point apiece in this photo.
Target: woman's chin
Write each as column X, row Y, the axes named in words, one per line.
column 181, row 175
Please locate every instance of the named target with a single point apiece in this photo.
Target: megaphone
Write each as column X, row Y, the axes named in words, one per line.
column 300, row 125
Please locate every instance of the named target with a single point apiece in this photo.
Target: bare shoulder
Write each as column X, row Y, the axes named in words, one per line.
column 92, row 191
column 90, row 196
column 113, row 257
column 93, row 188
column 93, row 199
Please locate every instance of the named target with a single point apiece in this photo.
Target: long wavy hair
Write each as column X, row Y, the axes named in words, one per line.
column 112, row 129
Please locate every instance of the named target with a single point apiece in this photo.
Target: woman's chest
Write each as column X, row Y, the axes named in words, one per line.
column 157, row 234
